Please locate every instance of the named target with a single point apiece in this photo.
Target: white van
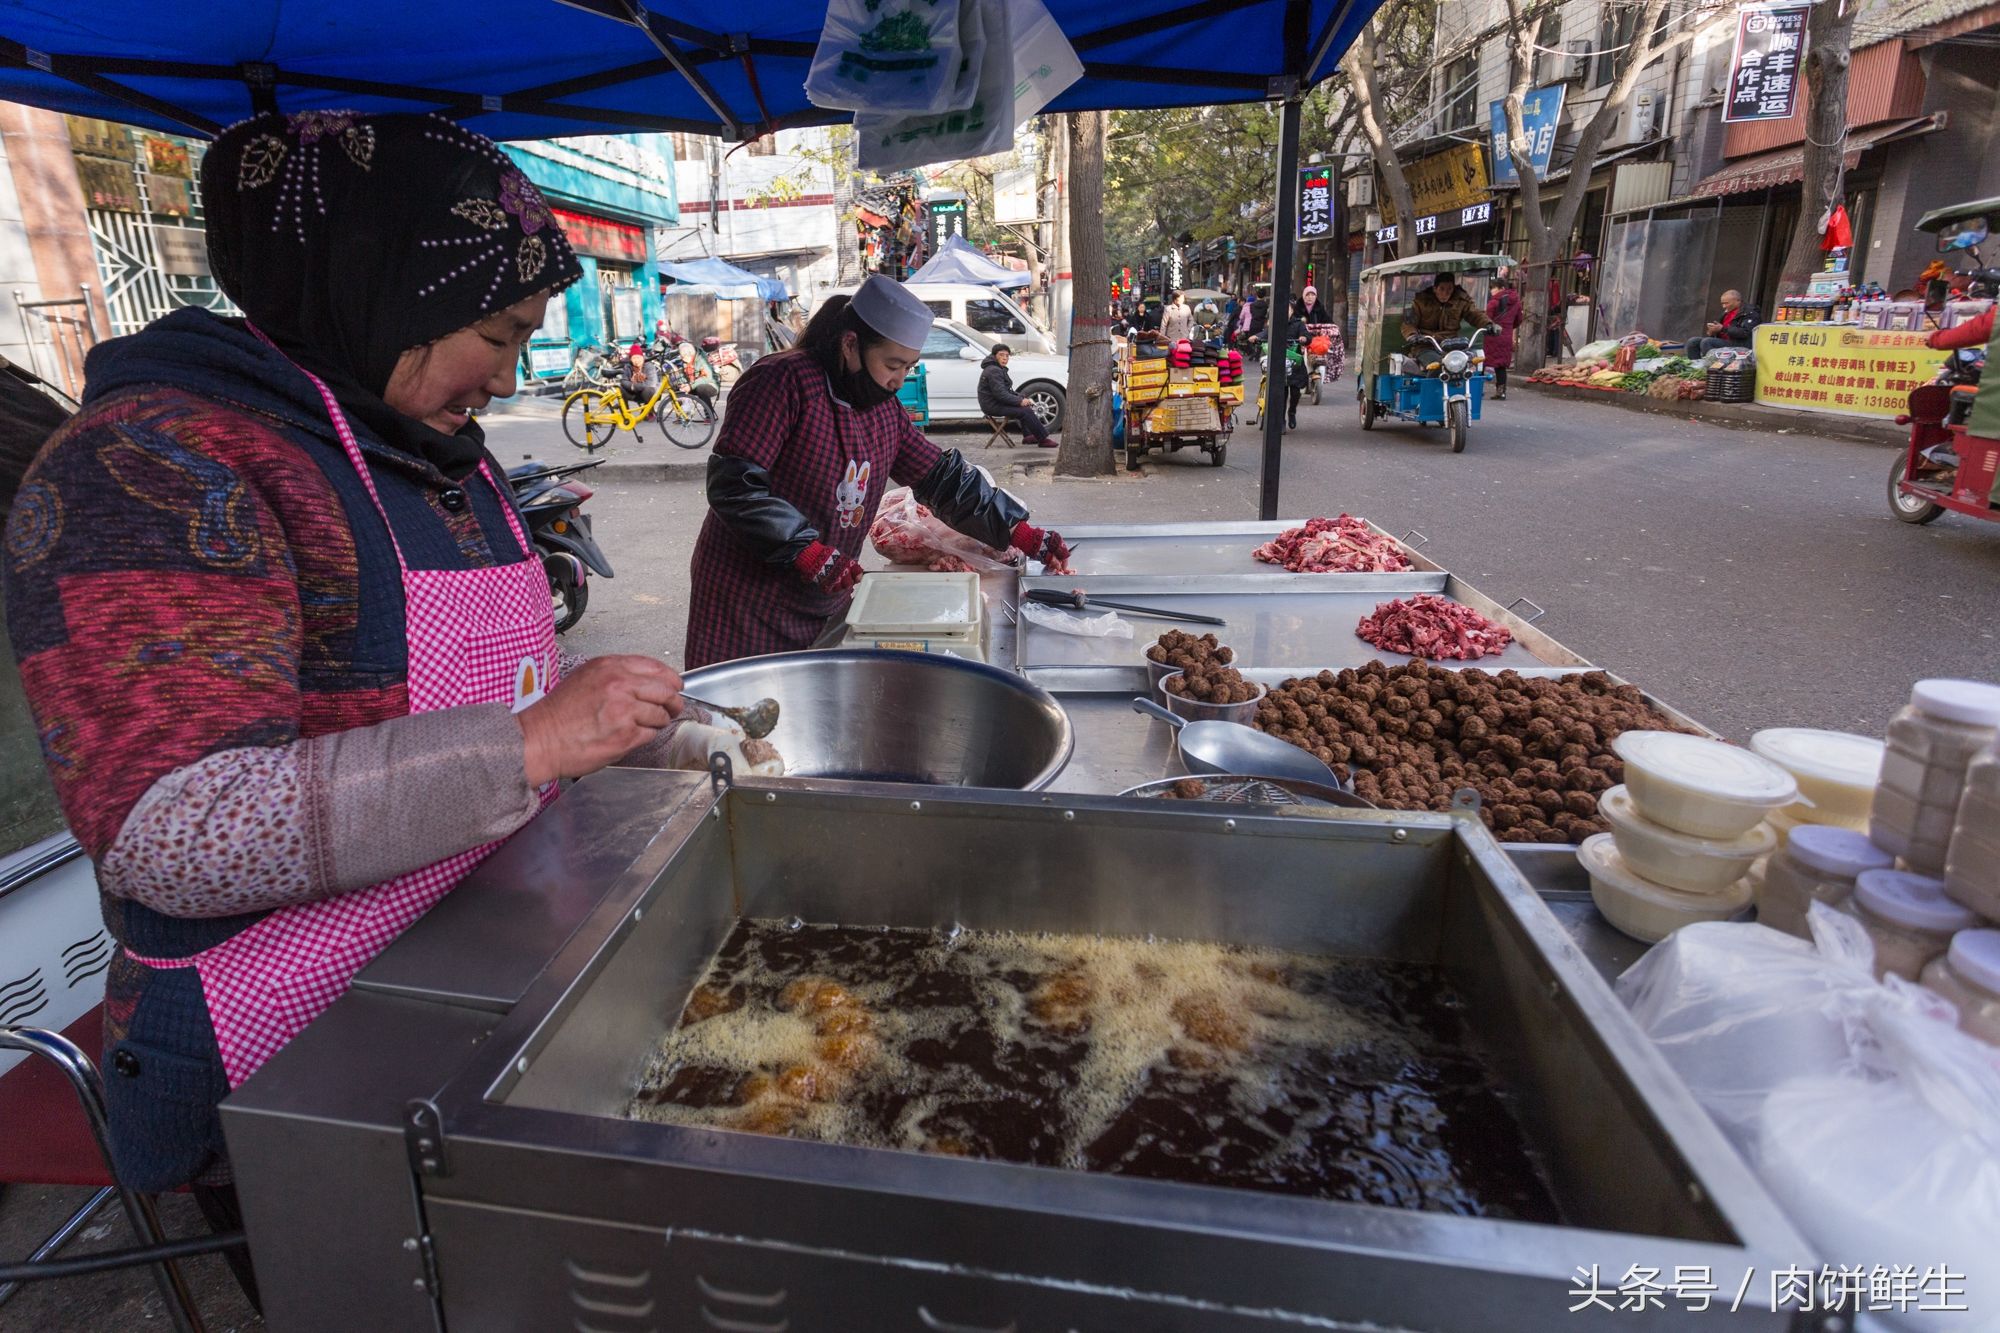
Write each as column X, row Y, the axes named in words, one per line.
column 986, row 310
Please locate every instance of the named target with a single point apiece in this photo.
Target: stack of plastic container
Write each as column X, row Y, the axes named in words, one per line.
column 1686, row 827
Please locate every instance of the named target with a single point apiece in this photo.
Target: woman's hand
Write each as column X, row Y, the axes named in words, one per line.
column 610, row 707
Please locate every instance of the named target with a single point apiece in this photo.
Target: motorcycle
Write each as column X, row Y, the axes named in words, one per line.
column 551, row 502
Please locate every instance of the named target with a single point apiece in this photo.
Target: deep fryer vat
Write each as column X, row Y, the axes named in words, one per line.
column 544, row 1160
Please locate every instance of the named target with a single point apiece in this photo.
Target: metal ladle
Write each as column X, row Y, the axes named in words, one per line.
column 1219, row 749
column 757, row 720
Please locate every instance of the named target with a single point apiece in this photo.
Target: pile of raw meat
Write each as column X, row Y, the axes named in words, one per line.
column 906, row 533
column 1433, row 628
column 1341, row 545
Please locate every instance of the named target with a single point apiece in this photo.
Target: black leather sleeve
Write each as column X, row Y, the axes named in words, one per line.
column 956, row 493
column 740, row 492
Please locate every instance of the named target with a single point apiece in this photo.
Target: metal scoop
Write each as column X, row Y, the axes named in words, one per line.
column 1217, row 749
column 757, row 720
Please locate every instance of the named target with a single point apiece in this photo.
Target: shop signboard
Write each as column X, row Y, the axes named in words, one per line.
column 1443, row 183
column 168, row 195
column 1315, row 203
column 602, row 238
column 947, row 219
column 1841, row 368
column 549, row 360
column 165, row 157
column 183, row 251
column 107, row 184
column 1014, row 195
column 1541, row 113
column 1764, row 72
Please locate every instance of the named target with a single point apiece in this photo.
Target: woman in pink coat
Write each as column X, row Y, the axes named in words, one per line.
column 1503, row 309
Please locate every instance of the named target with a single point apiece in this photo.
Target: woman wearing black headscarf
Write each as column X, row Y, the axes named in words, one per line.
column 287, row 647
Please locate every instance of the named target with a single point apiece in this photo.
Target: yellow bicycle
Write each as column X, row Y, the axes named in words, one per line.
column 590, row 417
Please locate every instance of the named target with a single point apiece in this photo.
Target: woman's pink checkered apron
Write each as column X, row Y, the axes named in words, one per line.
column 471, row 632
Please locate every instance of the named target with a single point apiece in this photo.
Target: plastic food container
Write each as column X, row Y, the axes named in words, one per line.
column 1932, row 742
column 1700, row 786
column 1969, row 976
column 1678, row 860
column 1836, row 771
column 1909, row 918
column 1972, row 866
column 1194, row 710
column 1818, row 864
column 1644, row 910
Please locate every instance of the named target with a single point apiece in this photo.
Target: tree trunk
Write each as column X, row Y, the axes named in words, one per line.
column 1359, row 62
column 1086, row 435
column 847, row 238
column 1829, row 38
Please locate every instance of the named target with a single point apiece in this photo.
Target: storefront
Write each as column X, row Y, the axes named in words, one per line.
column 608, row 193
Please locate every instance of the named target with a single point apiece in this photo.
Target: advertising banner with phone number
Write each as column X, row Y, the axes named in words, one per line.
column 1840, row 368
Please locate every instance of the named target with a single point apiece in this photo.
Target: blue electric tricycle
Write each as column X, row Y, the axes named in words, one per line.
column 1435, row 380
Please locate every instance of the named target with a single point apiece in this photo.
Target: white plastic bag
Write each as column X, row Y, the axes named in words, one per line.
column 1898, row 1164
column 913, row 139
column 1045, row 64
column 1103, row 625
column 887, row 55
column 1738, row 1009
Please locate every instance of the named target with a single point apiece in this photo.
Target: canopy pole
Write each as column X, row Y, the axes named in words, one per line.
column 1284, row 244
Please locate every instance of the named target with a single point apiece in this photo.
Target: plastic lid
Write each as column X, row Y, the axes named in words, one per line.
column 1973, row 702
column 1912, row 900
column 1724, row 771
column 1835, row 851
column 912, row 603
column 1617, row 805
column 1830, row 756
column 1975, row 955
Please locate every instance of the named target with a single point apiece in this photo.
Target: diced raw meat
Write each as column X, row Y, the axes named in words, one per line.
column 1434, row 628
column 1341, row 545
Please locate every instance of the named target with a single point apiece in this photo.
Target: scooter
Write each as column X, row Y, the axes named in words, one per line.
column 551, row 501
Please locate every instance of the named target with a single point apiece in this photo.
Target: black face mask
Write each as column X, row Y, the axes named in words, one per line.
column 856, row 388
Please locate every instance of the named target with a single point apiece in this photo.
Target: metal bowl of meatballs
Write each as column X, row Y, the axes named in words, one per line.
column 1216, row 707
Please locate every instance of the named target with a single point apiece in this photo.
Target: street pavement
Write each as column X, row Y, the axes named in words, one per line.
column 1752, row 578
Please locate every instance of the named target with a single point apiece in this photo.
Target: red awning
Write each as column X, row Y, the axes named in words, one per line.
column 1784, row 166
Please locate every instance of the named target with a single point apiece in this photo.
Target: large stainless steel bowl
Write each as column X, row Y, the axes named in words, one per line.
column 882, row 716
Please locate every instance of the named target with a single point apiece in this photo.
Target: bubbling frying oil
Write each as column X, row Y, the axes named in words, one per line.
column 1205, row 1063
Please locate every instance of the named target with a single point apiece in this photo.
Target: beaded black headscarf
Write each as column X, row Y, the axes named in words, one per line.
column 350, row 239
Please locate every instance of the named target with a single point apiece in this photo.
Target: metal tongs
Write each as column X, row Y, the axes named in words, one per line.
column 1077, row 600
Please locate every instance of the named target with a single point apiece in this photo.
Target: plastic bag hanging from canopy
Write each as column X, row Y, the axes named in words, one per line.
column 1027, row 64
column 887, row 55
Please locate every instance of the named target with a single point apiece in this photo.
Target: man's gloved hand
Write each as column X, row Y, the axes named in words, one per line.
column 827, row 569
column 1043, row 545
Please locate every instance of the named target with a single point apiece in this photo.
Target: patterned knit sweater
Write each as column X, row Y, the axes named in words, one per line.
column 208, row 616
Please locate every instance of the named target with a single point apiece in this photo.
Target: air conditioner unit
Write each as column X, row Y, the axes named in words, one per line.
column 1550, row 68
column 1578, row 68
column 1361, row 190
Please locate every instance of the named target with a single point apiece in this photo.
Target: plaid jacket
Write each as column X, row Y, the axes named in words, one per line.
column 828, row 461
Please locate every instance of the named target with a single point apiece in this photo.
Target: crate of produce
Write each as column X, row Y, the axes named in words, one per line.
column 1730, row 385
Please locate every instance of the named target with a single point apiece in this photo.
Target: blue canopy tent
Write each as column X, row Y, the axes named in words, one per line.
column 957, row 261
column 534, row 69
column 719, row 278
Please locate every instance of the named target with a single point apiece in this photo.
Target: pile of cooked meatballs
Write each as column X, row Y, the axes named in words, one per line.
column 1537, row 750
column 1211, row 683
column 1181, row 650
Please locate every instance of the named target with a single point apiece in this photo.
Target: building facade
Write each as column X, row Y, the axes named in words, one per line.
column 1674, row 190
column 611, row 194
column 767, row 207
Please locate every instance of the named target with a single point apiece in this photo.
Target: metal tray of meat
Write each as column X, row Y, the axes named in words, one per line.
column 1297, row 621
column 538, row 1198
column 1200, row 548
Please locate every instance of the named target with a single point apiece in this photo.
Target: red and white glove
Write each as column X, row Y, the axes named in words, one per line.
column 827, row 569
column 1043, row 545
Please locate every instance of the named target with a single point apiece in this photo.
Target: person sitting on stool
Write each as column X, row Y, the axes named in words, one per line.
column 998, row 399
column 1732, row 330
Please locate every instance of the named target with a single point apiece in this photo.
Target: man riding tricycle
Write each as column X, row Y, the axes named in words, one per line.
column 1952, row 460
column 1422, row 323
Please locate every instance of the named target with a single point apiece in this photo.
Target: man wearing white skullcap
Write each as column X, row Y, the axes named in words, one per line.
column 813, row 438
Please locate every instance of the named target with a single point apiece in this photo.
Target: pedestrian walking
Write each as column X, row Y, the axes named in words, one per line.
column 1176, row 321
column 1503, row 311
